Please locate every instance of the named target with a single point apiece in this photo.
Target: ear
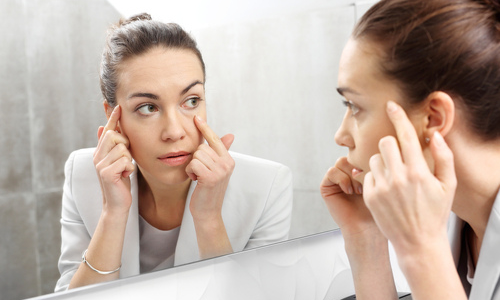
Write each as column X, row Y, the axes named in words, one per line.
column 440, row 113
column 107, row 109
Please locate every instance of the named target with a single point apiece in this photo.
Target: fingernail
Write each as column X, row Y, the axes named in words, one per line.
column 349, row 190
column 198, row 119
column 438, row 139
column 391, row 106
column 360, row 190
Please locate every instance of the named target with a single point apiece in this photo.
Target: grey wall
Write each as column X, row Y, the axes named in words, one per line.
column 49, row 105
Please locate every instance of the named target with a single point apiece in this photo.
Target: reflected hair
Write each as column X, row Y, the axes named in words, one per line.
column 441, row 45
column 134, row 36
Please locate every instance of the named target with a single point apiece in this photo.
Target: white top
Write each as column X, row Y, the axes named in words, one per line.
column 157, row 247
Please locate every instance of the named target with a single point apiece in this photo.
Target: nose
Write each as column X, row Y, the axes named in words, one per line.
column 173, row 126
column 343, row 136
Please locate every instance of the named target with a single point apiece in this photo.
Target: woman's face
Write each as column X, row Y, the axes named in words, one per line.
column 160, row 92
column 366, row 91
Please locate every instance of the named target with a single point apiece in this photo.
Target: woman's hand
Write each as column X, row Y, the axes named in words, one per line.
column 343, row 197
column 113, row 163
column 366, row 246
column 212, row 167
column 410, row 204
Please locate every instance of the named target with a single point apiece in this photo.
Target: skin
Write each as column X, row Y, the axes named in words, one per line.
column 161, row 110
column 409, row 185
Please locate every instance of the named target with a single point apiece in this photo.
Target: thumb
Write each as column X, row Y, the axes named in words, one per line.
column 227, row 140
column 444, row 166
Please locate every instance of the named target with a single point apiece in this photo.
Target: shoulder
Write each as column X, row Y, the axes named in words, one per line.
column 80, row 161
column 252, row 163
column 257, row 173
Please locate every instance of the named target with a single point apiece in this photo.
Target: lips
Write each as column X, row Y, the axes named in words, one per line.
column 356, row 172
column 175, row 158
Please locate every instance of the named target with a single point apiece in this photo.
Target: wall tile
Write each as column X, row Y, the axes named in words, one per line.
column 18, row 267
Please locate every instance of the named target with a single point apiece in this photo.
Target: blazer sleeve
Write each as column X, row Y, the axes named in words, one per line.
column 274, row 224
column 74, row 234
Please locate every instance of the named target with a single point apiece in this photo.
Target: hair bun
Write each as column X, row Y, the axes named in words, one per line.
column 138, row 17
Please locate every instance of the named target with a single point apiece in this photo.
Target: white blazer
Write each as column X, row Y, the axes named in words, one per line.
column 486, row 284
column 256, row 211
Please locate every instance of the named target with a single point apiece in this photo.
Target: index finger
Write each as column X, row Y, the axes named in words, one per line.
column 113, row 119
column 411, row 150
column 213, row 139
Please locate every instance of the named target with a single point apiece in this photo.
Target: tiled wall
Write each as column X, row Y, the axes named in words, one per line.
column 270, row 82
column 50, row 104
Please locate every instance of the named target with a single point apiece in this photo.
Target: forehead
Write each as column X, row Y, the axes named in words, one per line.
column 160, row 66
column 360, row 61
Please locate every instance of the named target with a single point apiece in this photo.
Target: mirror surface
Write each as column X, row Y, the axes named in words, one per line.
column 271, row 79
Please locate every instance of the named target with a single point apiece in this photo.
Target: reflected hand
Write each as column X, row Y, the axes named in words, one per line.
column 212, row 167
column 113, row 163
column 410, row 204
column 343, row 197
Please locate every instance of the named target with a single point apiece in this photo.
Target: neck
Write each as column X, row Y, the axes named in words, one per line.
column 162, row 205
column 477, row 165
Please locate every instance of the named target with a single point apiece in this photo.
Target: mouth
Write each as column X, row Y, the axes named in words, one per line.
column 175, row 158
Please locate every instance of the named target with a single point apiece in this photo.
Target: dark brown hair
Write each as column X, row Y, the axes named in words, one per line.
column 135, row 36
column 442, row 45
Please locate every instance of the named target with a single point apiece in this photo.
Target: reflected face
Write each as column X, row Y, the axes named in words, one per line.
column 366, row 91
column 160, row 92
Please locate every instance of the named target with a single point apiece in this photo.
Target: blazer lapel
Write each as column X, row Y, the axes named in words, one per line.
column 186, row 250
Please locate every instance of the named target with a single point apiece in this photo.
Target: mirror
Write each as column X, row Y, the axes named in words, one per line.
column 271, row 78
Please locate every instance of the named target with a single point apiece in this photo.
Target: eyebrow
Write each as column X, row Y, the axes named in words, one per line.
column 155, row 97
column 343, row 90
column 190, row 86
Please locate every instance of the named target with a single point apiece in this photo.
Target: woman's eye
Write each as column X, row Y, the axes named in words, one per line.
column 192, row 102
column 353, row 107
column 147, row 109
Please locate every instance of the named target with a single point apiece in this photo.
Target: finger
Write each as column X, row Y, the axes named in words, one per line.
column 113, row 119
column 100, row 130
column 336, row 176
column 347, row 168
column 407, row 136
column 444, row 166
column 213, row 139
column 377, row 167
column 107, row 142
column 390, row 153
column 227, row 140
column 113, row 155
column 196, row 168
column 368, row 187
column 205, row 158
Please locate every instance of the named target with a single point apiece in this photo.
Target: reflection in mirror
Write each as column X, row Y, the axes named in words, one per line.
column 270, row 82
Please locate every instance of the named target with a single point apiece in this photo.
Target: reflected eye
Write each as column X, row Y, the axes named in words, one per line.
column 353, row 107
column 192, row 102
column 147, row 109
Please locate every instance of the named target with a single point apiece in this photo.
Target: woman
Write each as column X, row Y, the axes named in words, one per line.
column 422, row 86
column 162, row 197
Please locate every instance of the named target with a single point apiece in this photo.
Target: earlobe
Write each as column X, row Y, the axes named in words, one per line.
column 440, row 113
